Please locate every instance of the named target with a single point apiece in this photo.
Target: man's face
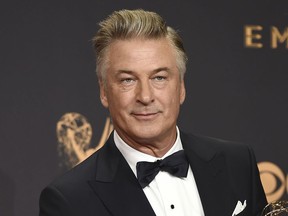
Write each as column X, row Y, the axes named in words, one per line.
column 143, row 90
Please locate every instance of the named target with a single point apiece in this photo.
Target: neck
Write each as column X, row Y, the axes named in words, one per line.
column 154, row 147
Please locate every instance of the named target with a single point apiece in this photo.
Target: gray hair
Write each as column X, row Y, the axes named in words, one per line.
column 128, row 24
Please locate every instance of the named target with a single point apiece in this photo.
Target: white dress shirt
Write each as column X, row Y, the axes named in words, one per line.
column 167, row 194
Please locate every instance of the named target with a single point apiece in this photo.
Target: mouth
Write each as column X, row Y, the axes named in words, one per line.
column 145, row 116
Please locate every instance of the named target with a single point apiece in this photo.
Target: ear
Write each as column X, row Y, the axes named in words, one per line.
column 182, row 92
column 103, row 95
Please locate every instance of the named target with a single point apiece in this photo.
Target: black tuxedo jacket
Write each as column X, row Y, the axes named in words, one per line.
column 104, row 184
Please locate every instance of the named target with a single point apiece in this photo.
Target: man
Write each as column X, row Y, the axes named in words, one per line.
column 140, row 66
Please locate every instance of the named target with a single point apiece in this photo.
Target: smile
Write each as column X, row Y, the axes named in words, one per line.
column 145, row 116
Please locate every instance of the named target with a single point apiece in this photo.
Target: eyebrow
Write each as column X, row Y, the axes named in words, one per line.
column 162, row 69
column 155, row 70
column 124, row 71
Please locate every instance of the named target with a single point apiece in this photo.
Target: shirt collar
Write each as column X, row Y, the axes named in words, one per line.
column 133, row 156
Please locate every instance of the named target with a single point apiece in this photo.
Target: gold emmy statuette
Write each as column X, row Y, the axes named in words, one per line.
column 279, row 208
column 74, row 133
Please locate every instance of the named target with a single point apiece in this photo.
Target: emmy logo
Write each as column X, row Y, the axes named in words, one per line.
column 278, row 208
column 74, row 134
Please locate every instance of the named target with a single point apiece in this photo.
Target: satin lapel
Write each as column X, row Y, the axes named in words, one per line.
column 210, row 172
column 117, row 186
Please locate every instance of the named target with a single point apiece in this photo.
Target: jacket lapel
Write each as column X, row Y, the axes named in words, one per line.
column 118, row 188
column 116, row 185
column 210, row 172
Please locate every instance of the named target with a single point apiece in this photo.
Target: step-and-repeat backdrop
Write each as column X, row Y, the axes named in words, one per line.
column 50, row 114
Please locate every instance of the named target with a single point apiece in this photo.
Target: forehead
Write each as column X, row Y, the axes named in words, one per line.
column 141, row 52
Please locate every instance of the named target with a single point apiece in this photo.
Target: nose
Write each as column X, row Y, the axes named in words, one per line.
column 144, row 94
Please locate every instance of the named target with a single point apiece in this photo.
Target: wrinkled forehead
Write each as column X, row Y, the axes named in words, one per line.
column 138, row 51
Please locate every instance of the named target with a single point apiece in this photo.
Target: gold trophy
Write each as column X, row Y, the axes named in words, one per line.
column 277, row 208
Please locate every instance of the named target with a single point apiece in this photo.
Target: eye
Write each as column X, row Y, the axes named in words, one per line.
column 127, row 80
column 160, row 78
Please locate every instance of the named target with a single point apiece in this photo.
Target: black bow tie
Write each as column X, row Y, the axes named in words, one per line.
column 175, row 164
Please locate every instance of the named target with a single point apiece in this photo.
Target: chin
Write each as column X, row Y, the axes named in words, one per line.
column 147, row 133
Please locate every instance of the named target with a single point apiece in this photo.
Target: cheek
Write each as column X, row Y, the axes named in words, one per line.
column 171, row 101
column 120, row 100
column 174, row 96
